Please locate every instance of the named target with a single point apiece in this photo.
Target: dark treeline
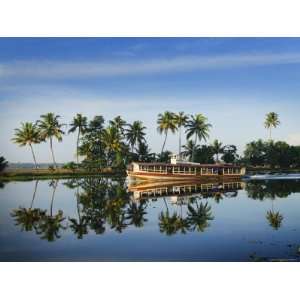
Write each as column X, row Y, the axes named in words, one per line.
column 116, row 143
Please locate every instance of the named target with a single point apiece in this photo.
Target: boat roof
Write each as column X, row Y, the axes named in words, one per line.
column 180, row 164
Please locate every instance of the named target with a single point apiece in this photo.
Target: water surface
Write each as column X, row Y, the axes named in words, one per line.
column 102, row 219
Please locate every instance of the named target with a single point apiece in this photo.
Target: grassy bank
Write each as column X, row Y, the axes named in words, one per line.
column 29, row 174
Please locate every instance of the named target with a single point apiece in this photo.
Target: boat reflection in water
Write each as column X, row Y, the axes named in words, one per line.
column 182, row 192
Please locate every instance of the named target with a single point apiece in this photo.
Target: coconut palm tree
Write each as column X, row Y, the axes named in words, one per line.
column 79, row 122
column 166, row 123
column 197, row 126
column 50, row 128
column 112, row 142
column 189, row 148
column 217, row 148
column 119, row 123
column 135, row 134
column 272, row 120
column 180, row 120
column 29, row 134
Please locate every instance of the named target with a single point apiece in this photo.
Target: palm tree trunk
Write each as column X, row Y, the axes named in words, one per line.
column 166, row 204
column 162, row 149
column 77, row 145
column 270, row 134
column 193, row 151
column 33, row 156
column 34, row 193
column 78, row 208
column 52, row 199
column 179, row 141
column 51, row 147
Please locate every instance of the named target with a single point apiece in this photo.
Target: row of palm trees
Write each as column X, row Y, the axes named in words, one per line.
column 196, row 127
column 50, row 128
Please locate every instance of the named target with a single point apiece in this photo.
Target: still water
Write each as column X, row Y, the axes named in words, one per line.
column 103, row 219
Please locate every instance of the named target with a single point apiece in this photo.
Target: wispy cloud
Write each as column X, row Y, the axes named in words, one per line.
column 60, row 69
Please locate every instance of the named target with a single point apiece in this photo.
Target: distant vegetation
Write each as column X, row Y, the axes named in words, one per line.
column 3, row 163
column 116, row 143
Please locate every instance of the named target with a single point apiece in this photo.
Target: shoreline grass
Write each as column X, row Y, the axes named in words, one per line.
column 31, row 174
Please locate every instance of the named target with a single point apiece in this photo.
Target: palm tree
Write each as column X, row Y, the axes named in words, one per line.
column 180, row 120
column 79, row 122
column 112, row 139
column 166, row 123
column 50, row 128
column 272, row 120
column 217, row 148
column 28, row 134
column 198, row 127
column 119, row 123
column 189, row 148
column 135, row 134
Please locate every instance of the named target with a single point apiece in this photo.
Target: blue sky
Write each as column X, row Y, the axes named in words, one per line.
column 233, row 81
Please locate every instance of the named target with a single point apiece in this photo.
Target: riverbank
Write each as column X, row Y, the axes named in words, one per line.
column 60, row 173
column 253, row 170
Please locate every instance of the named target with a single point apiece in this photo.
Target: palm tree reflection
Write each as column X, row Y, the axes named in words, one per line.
column 275, row 219
column 50, row 225
column 136, row 213
column 199, row 217
column 28, row 218
column 79, row 227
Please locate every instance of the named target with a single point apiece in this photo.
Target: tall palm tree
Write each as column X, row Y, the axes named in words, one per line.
column 135, row 134
column 28, row 134
column 180, row 120
column 217, row 148
column 119, row 123
column 197, row 126
column 166, row 123
column 272, row 120
column 79, row 122
column 50, row 128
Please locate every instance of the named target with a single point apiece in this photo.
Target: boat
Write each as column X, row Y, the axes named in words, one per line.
column 179, row 169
